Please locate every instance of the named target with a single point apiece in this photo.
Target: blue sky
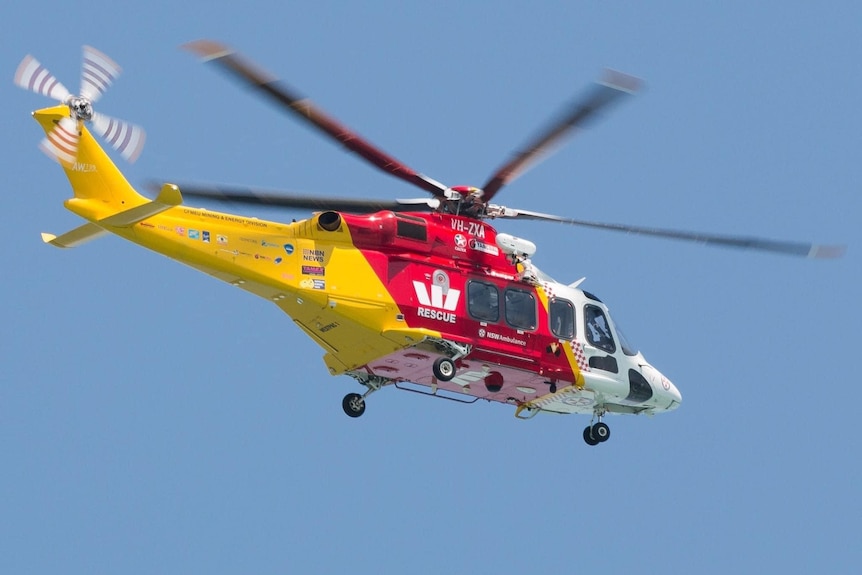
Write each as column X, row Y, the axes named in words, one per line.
column 153, row 420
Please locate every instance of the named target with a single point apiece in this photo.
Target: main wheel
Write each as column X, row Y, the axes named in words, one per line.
column 353, row 404
column 589, row 437
column 443, row 368
column 601, row 432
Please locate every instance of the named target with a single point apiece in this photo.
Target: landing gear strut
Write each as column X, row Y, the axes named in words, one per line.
column 354, row 403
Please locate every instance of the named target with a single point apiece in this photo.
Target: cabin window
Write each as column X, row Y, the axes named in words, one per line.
column 520, row 309
column 483, row 301
column 411, row 228
column 598, row 330
column 562, row 318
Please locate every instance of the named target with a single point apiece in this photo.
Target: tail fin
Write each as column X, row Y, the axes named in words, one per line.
column 100, row 189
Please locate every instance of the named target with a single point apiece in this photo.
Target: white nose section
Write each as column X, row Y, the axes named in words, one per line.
column 662, row 386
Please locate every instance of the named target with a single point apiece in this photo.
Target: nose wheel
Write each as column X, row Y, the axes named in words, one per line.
column 597, row 433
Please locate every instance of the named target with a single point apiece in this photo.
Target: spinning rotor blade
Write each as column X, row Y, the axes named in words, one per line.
column 259, row 197
column 776, row 246
column 126, row 138
column 578, row 113
column 249, row 73
column 61, row 143
column 31, row 75
column 97, row 73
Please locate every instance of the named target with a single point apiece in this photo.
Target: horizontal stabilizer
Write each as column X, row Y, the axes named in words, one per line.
column 168, row 197
column 75, row 237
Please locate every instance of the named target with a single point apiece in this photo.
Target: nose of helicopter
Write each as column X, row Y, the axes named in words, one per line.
column 667, row 396
column 674, row 395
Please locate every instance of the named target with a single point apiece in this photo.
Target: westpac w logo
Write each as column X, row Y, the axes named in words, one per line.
column 440, row 300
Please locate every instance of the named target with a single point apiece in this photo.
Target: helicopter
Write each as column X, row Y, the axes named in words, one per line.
column 423, row 295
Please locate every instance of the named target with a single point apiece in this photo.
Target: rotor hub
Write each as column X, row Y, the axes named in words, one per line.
column 81, row 108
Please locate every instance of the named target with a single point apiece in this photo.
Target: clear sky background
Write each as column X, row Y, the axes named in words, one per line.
column 153, row 420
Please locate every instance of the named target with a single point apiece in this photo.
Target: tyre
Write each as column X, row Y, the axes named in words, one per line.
column 588, row 436
column 353, row 404
column 443, row 368
column 601, row 432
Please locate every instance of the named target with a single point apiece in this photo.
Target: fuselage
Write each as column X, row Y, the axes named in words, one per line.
column 389, row 295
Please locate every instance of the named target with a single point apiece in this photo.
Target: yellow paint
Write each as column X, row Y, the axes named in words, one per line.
column 337, row 299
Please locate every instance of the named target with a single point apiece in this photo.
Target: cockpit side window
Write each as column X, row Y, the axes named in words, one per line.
column 598, row 330
column 520, row 309
column 562, row 314
column 483, row 301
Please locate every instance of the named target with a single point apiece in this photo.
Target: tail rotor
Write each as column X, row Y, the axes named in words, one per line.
column 97, row 74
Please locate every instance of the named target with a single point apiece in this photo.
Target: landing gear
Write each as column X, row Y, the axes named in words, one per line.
column 588, row 435
column 443, row 368
column 597, row 433
column 353, row 404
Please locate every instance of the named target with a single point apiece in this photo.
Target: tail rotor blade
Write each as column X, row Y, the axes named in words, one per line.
column 126, row 138
column 31, row 75
column 61, row 143
column 97, row 73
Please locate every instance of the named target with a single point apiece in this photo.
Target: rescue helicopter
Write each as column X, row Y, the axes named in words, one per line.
column 424, row 294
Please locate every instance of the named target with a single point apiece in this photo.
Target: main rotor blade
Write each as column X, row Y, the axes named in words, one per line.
column 576, row 114
column 751, row 243
column 248, row 72
column 258, row 197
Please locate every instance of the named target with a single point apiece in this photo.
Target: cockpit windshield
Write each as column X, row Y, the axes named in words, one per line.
column 625, row 344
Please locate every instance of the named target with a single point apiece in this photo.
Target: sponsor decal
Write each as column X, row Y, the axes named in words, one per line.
column 500, row 337
column 440, row 302
column 221, row 239
column 165, row 228
column 261, row 257
column 475, row 229
column 289, row 249
column 180, row 230
column 205, row 236
column 248, row 240
column 194, row 234
column 277, row 260
column 481, row 246
column 313, row 255
column 460, row 243
column 147, row 225
column 225, row 218
column 309, row 283
column 314, row 270
column 266, row 244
